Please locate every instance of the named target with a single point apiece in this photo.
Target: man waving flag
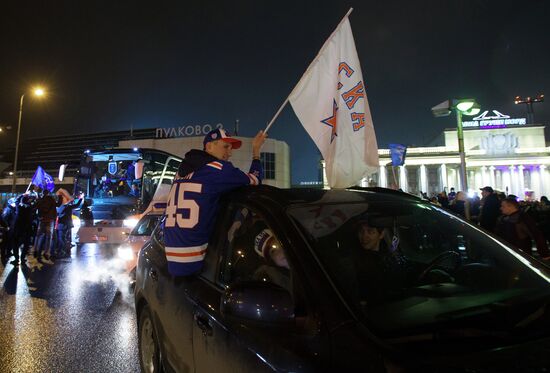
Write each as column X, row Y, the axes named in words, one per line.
column 331, row 103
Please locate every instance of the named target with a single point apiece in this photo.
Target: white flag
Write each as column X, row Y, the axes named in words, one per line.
column 331, row 102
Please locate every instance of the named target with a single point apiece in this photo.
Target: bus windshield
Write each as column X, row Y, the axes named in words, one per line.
column 111, row 184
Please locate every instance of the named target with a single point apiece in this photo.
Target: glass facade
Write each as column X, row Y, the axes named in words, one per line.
column 268, row 163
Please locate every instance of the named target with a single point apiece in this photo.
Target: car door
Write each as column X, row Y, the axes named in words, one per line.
column 168, row 300
column 221, row 344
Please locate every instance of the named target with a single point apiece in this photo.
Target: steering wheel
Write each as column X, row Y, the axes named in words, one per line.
column 437, row 260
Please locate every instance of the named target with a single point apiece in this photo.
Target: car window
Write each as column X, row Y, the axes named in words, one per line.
column 158, row 232
column 253, row 252
column 412, row 267
column 145, row 225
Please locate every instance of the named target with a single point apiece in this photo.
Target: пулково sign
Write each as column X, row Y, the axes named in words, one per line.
column 185, row 131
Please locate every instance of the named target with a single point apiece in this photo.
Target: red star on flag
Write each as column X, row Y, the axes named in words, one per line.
column 331, row 121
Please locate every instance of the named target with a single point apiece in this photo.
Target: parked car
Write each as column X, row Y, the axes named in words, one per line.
column 432, row 293
column 141, row 233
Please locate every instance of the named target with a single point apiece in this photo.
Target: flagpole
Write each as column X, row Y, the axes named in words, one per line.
column 307, row 70
column 394, row 178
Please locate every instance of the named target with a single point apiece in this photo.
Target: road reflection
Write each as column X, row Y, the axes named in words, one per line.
column 74, row 315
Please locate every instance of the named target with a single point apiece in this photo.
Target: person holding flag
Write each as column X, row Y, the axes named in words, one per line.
column 192, row 205
column 47, row 214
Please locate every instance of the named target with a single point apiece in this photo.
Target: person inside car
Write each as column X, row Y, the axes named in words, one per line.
column 381, row 268
column 192, row 205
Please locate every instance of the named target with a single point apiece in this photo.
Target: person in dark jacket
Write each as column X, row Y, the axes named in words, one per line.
column 380, row 266
column 3, row 238
column 24, row 211
column 458, row 204
column 519, row 229
column 8, row 217
column 47, row 213
column 490, row 209
column 65, row 224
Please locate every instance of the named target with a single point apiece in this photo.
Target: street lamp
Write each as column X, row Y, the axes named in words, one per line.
column 529, row 101
column 461, row 107
column 38, row 92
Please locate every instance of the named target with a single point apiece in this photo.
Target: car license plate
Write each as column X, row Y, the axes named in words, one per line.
column 100, row 238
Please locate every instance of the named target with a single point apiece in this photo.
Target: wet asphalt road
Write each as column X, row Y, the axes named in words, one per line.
column 76, row 315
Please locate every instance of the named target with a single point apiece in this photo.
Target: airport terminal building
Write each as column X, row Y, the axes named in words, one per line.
column 505, row 153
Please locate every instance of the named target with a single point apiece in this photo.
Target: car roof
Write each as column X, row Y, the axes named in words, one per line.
column 298, row 196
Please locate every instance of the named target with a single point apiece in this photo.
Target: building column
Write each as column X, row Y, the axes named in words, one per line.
column 403, row 183
column 455, row 180
column 542, row 169
column 483, row 176
column 492, row 179
column 471, row 180
column 513, row 181
column 535, row 182
column 521, row 183
column 423, row 179
column 443, row 178
column 478, row 180
column 383, row 177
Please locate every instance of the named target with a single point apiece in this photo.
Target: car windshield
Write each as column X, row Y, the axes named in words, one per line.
column 413, row 271
column 115, row 208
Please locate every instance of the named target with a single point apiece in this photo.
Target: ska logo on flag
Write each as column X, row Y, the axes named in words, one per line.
column 350, row 97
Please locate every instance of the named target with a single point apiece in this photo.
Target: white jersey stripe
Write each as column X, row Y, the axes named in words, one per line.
column 185, row 250
column 216, row 165
column 186, row 254
column 186, row 259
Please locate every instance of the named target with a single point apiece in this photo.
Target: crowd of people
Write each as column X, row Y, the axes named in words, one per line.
column 524, row 224
column 39, row 221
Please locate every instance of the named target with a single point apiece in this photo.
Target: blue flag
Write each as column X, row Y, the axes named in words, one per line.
column 43, row 180
column 398, row 153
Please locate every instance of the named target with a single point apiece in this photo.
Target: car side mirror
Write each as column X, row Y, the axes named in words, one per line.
column 258, row 301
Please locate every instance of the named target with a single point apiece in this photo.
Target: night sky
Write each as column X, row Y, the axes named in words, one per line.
column 112, row 65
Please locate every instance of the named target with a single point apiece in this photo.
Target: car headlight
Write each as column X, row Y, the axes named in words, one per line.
column 125, row 253
column 130, row 222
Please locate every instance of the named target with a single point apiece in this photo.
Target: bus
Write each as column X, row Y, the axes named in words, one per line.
column 120, row 186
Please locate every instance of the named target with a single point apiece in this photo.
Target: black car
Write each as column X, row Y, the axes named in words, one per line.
column 336, row 280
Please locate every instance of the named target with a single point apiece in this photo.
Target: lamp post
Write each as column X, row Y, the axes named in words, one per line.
column 460, row 107
column 467, row 107
column 38, row 92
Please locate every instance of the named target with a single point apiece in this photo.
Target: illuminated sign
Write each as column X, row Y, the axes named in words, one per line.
column 185, row 131
column 497, row 120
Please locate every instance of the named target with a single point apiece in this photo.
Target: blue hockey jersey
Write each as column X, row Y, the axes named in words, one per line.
column 193, row 204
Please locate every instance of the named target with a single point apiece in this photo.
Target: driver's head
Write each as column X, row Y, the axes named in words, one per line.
column 369, row 236
column 220, row 144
